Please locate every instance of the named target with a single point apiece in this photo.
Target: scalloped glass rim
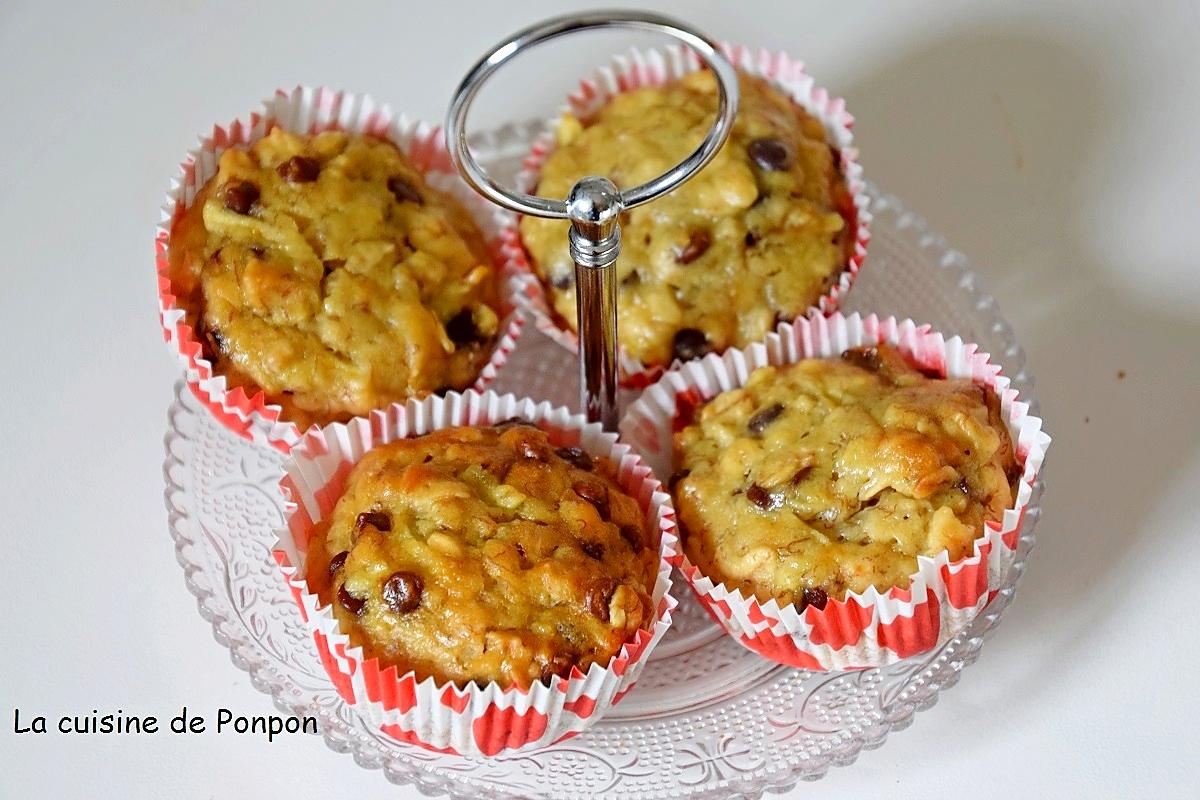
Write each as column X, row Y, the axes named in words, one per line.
column 661, row 744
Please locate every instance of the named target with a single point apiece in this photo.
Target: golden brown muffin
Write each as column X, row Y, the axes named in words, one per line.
column 758, row 236
column 831, row 475
column 326, row 272
column 485, row 554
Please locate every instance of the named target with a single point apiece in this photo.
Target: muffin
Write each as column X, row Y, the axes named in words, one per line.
column 758, row 236
column 485, row 555
column 324, row 271
column 830, row 476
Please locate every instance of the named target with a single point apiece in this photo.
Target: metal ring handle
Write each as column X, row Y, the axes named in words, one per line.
column 456, row 118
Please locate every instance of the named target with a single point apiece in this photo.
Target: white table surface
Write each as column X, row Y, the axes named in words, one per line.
column 1054, row 143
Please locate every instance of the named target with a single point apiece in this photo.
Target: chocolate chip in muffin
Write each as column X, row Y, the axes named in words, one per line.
column 813, row 596
column 751, row 239
column 771, row 154
column 376, row 519
column 594, row 493
column 402, row 592
column 697, row 246
column 461, row 328
column 576, row 457
column 962, row 486
column 632, row 534
column 764, row 417
column 676, row 477
column 864, row 358
column 216, row 342
column 563, row 280
column 593, row 549
column 801, row 474
column 299, row 169
column 337, row 562
column 349, row 602
column 689, row 343
column 240, row 196
column 403, row 190
column 598, row 597
column 513, row 422
column 557, row 667
column 767, row 501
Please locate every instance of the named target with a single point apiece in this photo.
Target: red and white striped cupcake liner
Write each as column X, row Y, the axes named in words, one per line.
column 655, row 67
column 441, row 716
column 871, row 628
column 306, row 110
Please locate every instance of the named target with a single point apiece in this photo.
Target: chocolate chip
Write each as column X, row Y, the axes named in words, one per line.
column 596, row 494
column 349, row 602
column 864, row 358
column 598, row 596
column 299, row 169
column 557, row 667
column 961, row 485
column 240, row 196
column 813, row 596
column 770, row 154
column 576, row 457
column 752, row 239
column 801, row 474
column 402, row 592
column 676, row 477
column 461, row 328
column 216, row 342
column 403, row 190
column 520, row 549
column 513, row 422
column 767, row 501
column 593, row 550
column 632, row 534
column 563, row 281
column 697, row 246
column 376, row 519
column 764, row 417
column 337, row 562
column 632, row 279
column 689, row 343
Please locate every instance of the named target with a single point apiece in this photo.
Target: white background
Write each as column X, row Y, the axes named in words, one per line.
column 1054, row 143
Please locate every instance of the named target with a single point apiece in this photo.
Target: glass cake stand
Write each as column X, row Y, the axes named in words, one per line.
column 708, row 719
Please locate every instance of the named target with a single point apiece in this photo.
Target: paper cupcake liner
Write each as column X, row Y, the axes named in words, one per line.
column 654, row 67
column 305, row 110
column 871, row 628
column 441, row 716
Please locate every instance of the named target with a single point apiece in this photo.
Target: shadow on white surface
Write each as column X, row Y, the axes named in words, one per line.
column 989, row 133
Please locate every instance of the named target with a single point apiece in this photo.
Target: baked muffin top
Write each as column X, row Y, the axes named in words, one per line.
column 833, row 475
column 485, row 554
column 326, row 272
column 757, row 236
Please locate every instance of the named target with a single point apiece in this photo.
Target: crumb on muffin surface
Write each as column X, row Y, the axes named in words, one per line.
column 485, row 554
column 758, row 236
column 326, row 272
column 833, row 475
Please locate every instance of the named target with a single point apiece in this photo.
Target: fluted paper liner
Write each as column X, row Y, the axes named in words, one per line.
column 871, row 628
column 441, row 716
column 654, row 67
column 306, row 110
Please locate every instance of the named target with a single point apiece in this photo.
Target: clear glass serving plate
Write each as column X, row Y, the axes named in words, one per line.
column 708, row 719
